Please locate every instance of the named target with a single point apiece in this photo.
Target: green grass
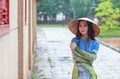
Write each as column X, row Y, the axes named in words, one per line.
column 36, row 59
column 52, row 25
column 112, row 32
column 35, row 74
column 49, row 60
column 105, row 31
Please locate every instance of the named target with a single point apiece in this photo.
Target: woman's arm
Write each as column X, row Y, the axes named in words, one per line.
column 84, row 54
column 73, row 45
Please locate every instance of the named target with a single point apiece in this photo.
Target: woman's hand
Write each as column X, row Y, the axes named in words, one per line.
column 72, row 45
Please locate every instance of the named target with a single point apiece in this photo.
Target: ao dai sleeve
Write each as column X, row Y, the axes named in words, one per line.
column 75, row 40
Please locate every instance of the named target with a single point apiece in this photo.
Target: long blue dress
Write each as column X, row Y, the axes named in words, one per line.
column 90, row 46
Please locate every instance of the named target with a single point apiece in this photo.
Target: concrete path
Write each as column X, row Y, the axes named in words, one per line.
column 53, row 58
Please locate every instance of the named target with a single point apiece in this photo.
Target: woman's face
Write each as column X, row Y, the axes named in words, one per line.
column 83, row 28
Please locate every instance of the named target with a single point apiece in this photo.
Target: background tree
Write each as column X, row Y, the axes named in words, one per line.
column 66, row 9
column 83, row 8
column 70, row 8
column 44, row 8
column 107, row 13
column 116, row 3
column 49, row 8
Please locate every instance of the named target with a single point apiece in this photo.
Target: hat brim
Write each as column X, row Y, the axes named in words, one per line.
column 74, row 24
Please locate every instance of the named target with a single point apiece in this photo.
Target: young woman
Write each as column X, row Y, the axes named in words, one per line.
column 84, row 47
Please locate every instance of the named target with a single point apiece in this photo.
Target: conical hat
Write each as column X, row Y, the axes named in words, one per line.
column 74, row 24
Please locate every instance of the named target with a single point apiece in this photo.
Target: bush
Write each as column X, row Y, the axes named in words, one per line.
column 109, row 32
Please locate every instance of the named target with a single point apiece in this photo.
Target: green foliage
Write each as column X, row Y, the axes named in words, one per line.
column 116, row 3
column 66, row 7
column 49, row 60
column 36, row 59
column 70, row 8
column 108, row 14
column 108, row 10
column 34, row 74
column 112, row 32
column 52, row 7
column 82, row 8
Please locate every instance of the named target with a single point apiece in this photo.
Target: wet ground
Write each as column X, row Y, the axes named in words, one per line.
column 53, row 57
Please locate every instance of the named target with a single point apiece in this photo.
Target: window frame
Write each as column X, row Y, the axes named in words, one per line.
column 4, row 21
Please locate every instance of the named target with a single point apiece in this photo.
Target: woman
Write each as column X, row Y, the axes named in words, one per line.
column 84, row 47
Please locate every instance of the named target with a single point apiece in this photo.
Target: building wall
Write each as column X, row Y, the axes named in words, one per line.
column 9, row 56
column 25, row 39
column 9, row 46
column 17, row 46
column 28, row 36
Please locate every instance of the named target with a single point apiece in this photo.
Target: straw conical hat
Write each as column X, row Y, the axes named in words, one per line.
column 74, row 24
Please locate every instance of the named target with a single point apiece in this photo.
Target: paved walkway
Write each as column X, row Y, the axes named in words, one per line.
column 53, row 58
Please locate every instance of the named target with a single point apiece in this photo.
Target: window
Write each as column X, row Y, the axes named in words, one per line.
column 4, row 17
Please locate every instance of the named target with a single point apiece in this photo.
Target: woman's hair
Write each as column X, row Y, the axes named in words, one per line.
column 90, row 31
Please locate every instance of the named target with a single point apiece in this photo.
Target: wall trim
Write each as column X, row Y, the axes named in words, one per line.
column 20, row 39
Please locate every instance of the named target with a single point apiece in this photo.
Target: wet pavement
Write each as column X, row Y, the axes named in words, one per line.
column 53, row 57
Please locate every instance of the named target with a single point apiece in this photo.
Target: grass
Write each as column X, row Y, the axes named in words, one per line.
column 104, row 31
column 109, row 32
column 36, row 59
column 34, row 74
column 51, row 25
column 49, row 60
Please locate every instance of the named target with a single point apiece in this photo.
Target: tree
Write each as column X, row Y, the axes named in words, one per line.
column 107, row 13
column 49, row 8
column 44, row 8
column 116, row 3
column 70, row 8
column 66, row 9
column 52, row 7
column 83, row 8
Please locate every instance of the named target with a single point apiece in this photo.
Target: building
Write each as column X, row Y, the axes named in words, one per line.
column 17, row 38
